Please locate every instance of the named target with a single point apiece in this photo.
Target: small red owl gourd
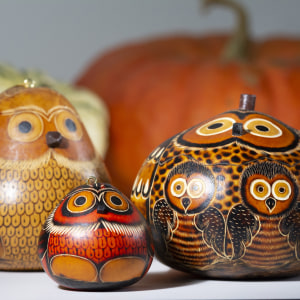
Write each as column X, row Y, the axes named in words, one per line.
column 95, row 239
column 45, row 152
column 222, row 198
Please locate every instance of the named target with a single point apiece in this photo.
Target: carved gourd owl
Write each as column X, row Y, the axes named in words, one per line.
column 222, row 198
column 45, row 152
column 95, row 239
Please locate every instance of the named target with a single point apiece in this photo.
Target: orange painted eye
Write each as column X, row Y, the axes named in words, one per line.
column 260, row 189
column 281, row 189
column 115, row 201
column 81, row 202
column 178, row 187
column 216, row 126
column 68, row 125
column 195, row 188
column 262, row 128
column 25, row 127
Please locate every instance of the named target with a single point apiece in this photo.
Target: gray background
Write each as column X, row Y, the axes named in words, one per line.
column 61, row 37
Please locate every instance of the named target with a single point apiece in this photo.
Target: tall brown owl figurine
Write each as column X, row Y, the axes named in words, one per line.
column 45, row 152
column 223, row 197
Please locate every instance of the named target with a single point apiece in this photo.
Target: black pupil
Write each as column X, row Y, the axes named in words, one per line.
column 116, row 200
column 178, row 187
column 70, row 125
column 215, row 126
column 260, row 189
column 281, row 190
column 80, row 201
column 262, row 128
column 25, row 127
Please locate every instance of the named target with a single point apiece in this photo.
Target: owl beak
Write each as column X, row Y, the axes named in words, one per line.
column 270, row 203
column 101, row 208
column 53, row 139
column 237, row 129
column 186, row 202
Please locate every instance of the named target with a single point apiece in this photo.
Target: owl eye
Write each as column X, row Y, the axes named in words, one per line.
column 195, row 188
column 262, row 128
column 25, row 127
column 115, row 201
column 68, row 125
column 81, row 202
column 178, row 187
column 260, row 189
column 281, row 189
column 216, row 126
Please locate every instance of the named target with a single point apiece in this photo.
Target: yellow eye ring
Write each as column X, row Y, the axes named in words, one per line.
column 81, row 202
column 281, row 189
column 260, row 189
column 25, row 127
column 68, row 125
column 195, row 188
column 115, row 201
column 178, row 187
column 216, row 126
column 262, row 128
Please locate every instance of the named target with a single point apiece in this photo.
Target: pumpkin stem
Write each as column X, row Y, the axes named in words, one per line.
column 237, row 48
column 247, row 102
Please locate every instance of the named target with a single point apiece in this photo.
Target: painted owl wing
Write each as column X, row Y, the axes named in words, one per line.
column 242, row 225
column 164, row 219
column 212, row 224
column 290, row 226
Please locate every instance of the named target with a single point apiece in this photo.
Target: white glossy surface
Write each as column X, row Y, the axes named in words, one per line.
column 160, row 283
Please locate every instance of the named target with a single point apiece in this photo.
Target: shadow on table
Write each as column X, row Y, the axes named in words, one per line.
column 171, row 278
column 163, row 280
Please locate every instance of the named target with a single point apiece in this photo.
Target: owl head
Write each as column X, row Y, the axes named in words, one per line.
column 245, row 127
column 93, row 206
column 189, row 187
column 35, row 120
column 268, row 189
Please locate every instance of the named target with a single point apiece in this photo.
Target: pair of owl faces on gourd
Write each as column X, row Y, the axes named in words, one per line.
column 225, row 192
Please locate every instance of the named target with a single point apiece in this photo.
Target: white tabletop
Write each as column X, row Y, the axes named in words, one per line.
column 161, row 282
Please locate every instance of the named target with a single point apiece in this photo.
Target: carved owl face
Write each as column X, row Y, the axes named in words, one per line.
column 247, row 128
column 96, row 205
column 34, row 120
column 268, row 189
column 189, row 188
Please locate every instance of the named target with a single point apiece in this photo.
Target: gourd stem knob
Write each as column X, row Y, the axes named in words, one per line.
column 247, row 102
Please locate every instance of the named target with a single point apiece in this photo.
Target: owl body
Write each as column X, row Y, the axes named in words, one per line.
column 95, row 239
column 236, row 179
column 187, row 246
column 45, row 152
column 279, row 255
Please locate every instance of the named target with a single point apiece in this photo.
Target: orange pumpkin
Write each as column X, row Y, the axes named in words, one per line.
column 155, row 88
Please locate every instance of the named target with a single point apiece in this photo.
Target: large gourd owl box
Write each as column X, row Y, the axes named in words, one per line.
column 222, row 197
column 44, row 153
